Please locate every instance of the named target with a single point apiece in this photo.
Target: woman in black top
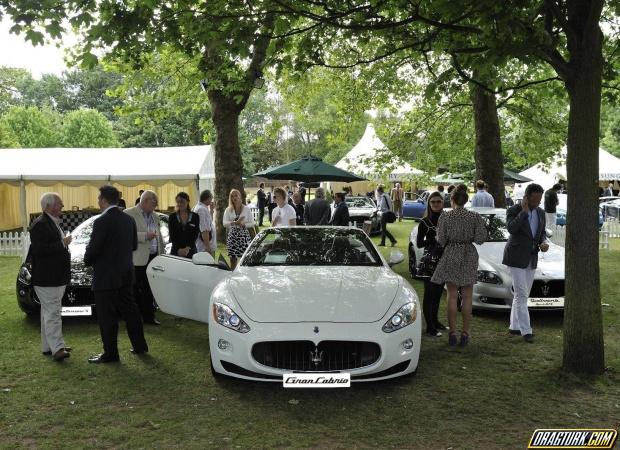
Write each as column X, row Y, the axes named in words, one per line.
column 184, row 226
column 426, row 239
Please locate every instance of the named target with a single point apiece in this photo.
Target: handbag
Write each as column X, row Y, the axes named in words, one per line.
column 389, row 216
column 430, row 258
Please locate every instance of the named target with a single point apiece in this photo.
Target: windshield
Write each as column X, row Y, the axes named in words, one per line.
column 496, row 227
column 81, row 235
column 311, row 247
column 359, row 202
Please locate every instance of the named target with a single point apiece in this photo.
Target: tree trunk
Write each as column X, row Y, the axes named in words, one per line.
column 488, row 152
column 228, row 165
column 583, row 327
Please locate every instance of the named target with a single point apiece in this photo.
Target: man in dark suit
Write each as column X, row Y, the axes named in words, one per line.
column 341, row 211
column 261, row 202
column 112, row 242
column 525, row 222
column 317, row 211
column 51, row 272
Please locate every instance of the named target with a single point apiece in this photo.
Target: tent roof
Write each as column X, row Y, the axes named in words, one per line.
column 547, row 176
column 360, row 158
column 109, row 164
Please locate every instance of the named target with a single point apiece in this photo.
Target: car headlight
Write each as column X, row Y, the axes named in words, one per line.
column 406, row 315
column 487, row 276
column 225, row 316
column 24, row 275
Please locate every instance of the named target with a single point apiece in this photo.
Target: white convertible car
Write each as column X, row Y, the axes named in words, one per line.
column 302, row 299
column 494, row 287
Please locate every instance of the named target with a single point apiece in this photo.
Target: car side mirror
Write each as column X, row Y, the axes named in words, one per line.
column 396, row 257
column 548, row 232
column 203, row 259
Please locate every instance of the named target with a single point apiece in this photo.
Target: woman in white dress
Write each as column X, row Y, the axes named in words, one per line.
column 237, row 219
column 284, row 215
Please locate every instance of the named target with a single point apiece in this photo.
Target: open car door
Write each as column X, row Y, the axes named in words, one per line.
column 182, row 287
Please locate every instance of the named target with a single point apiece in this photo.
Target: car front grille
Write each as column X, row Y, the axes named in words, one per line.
column 547, row 288
column 78, row 296
column 327, row 356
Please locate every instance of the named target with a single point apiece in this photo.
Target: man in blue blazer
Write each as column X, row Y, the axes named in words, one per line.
column 110, row 252
column 525, row 222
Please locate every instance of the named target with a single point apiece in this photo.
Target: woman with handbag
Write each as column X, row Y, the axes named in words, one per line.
column 426, row 239
column 237, row 219
column 457, row 231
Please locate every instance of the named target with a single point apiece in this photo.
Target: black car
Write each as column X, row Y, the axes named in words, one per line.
column 78, row 299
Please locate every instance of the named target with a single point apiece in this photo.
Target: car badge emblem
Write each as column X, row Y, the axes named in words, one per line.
column 316, row 357
column 71, row 296
column 545, row 290
column 316, row 329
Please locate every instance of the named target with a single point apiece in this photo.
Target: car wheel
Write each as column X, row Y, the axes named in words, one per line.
column 412, row 262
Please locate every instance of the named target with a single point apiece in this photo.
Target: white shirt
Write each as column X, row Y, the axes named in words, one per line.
column 285, row 214
column 206, row 224
column 483, row 199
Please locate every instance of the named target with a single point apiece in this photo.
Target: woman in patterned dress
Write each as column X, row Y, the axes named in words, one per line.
column 237, row 219
column 457, row 231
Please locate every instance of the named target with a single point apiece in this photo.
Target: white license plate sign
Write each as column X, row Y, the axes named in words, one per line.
column 542, row 302
column 76, row 311
column 316, row 380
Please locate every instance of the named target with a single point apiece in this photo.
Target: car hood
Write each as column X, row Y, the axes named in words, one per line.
column 314, row 294
column 550, row 263
column 81, row 275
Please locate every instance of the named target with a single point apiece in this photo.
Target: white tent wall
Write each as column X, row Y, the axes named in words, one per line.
column 361, row 161
column 555, row 171
column 76, row 175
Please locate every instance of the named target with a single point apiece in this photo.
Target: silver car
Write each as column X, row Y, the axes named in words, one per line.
column 493, row 290
column 362, row 209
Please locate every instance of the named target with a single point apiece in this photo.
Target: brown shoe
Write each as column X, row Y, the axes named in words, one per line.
column 61, row 354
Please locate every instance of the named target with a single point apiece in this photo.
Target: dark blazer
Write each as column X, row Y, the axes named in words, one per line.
column 51, row 261
column 522, row 247
column 262, row 198
column 317, row 212
column 299, row 212
column 182, row 237
column 341, row 215
column 110, row 250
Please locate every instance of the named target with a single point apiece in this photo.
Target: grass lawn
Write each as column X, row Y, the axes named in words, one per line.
column 491, row 395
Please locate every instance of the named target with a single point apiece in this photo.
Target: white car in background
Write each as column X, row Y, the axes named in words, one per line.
column 302, row 299
column 493, row 291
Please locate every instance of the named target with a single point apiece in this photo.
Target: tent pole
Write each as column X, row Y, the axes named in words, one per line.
column 197, row 189
column 22, row 204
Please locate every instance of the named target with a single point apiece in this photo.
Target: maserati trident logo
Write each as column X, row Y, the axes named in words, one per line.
column 316, row 357
column 545, row 290
column 316, row 329
column 71, row 296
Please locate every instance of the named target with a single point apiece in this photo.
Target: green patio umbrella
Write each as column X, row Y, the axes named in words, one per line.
column 514, row 177
column 308, row 169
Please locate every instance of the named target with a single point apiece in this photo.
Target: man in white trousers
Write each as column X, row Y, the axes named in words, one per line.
column 51, row 272
column 525, row 222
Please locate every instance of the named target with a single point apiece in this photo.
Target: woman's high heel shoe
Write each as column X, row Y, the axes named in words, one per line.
column 452, row 339
column 464, row 339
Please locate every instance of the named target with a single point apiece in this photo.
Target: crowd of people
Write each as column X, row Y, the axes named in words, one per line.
column 125, row 240
column 451, row 260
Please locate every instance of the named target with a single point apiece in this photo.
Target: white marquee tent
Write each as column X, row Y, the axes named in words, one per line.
column 547, row 176
column 76, row 173
column 361, row 160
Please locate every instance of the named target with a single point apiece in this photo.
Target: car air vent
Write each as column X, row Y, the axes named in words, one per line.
column 305, row 356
